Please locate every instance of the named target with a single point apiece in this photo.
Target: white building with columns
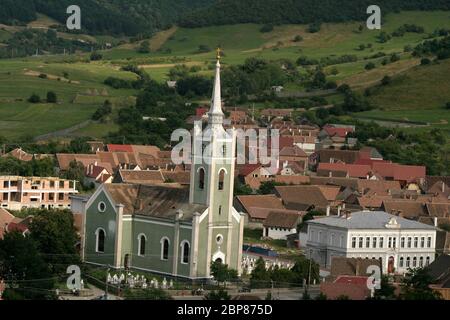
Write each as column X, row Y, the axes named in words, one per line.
column 399, row 243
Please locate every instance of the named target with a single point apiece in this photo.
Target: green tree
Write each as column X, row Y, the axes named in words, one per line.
column 416, row 286
column 147, row 294
column 23, row 266
column 387, row 290
column 34, row 98
column 222, row 273
column 260, row 277
column 56, row 236
column 144, row 47
column 51, row 97
column 220, row 294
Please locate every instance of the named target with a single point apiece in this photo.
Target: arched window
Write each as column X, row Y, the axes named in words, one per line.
column 414, row 263
column 165, row 249
column 427, row 261
column 421, row 262
column 185, row 252
column 408, row 260
column 100, row 240
column 142, row 239
column 201, row 178
column 401, row 262
column 221, row 179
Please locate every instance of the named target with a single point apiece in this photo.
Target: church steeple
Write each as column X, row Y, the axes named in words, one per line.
column 215, row 113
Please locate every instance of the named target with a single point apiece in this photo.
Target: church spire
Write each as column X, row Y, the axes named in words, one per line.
column 215, row 113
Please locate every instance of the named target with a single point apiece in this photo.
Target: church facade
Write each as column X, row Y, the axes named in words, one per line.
column 169, row 229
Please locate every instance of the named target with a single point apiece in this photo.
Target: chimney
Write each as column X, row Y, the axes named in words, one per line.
column 435, row 220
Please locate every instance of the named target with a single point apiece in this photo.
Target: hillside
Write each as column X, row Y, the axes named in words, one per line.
column 298, row 11
column 128, row 17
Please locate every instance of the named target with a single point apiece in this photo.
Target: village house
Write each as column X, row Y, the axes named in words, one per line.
column 398, row 242
column 17, row 193
column 281, row 223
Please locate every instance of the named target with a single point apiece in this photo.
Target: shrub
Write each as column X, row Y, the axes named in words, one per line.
column 95, row 56
column 266, row 28
column 34, row 98
column 370, row 66
column 386, row 80
column 51, row 97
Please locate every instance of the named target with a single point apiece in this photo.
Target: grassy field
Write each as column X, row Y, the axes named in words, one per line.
column 417, row 95
column 77, row 99
column 413, row 95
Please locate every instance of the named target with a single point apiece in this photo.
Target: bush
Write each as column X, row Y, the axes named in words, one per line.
column 266, row 28
column 95, row 56
column 43, row 76
column 51, row 97
column 203, row 48
column 34, row 98
column 425, row 61
column 447, row 106
column 314, row 27
column 386, row 80
column 370, row 66
column 298, row 38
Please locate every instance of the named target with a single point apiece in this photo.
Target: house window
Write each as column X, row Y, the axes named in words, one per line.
column 331, row 239
column 429, row 242
column 427, row 261
column 374, row 242
column 394, row 242
column 51, row 196
column 201, row 178
column 414, row 263
column 409, row 242
column 224, row 150
column 354, row 242
column 52, row 184
column 141, row 245
column 402, row 242
column 220, row 210
column 185, row 248
column 102, row 206
column 221, row 179
column 408, row 262
column 61, row 196
column 416, row 242
column 165, row 249
column 381, row 242
column 422, row 242
column 367, row 242
column 421, row 262
column 319, row 236
column 401, row 263
column 100, row 241
column 390, row 242
column 361, row 242
column 61, row 184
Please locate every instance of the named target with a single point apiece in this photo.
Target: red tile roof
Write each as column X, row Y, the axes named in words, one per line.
column 119, row 147
column 353, row 170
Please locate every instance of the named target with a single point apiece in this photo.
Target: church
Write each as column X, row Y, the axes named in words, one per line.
column 169, row 229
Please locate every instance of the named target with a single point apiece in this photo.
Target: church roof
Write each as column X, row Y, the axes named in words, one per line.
column 154, row 201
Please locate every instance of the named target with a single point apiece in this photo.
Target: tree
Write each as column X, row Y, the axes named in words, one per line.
column 298, row 38
column 220, row 294
column 51, row 97
column 23, row 266
column 386, row 80
column 75, row 171
column 95, row 56
column 34, row 98
column 147, row 294
column 222, row 273
column 416, row 286
column 144, row 47
column 369, row 66
column 447, row 106
column 56, row 237
column 387, row 290
column 260, row 277
column 266, row 28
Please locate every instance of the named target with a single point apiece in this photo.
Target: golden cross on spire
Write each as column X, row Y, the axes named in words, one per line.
column 218, row 53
